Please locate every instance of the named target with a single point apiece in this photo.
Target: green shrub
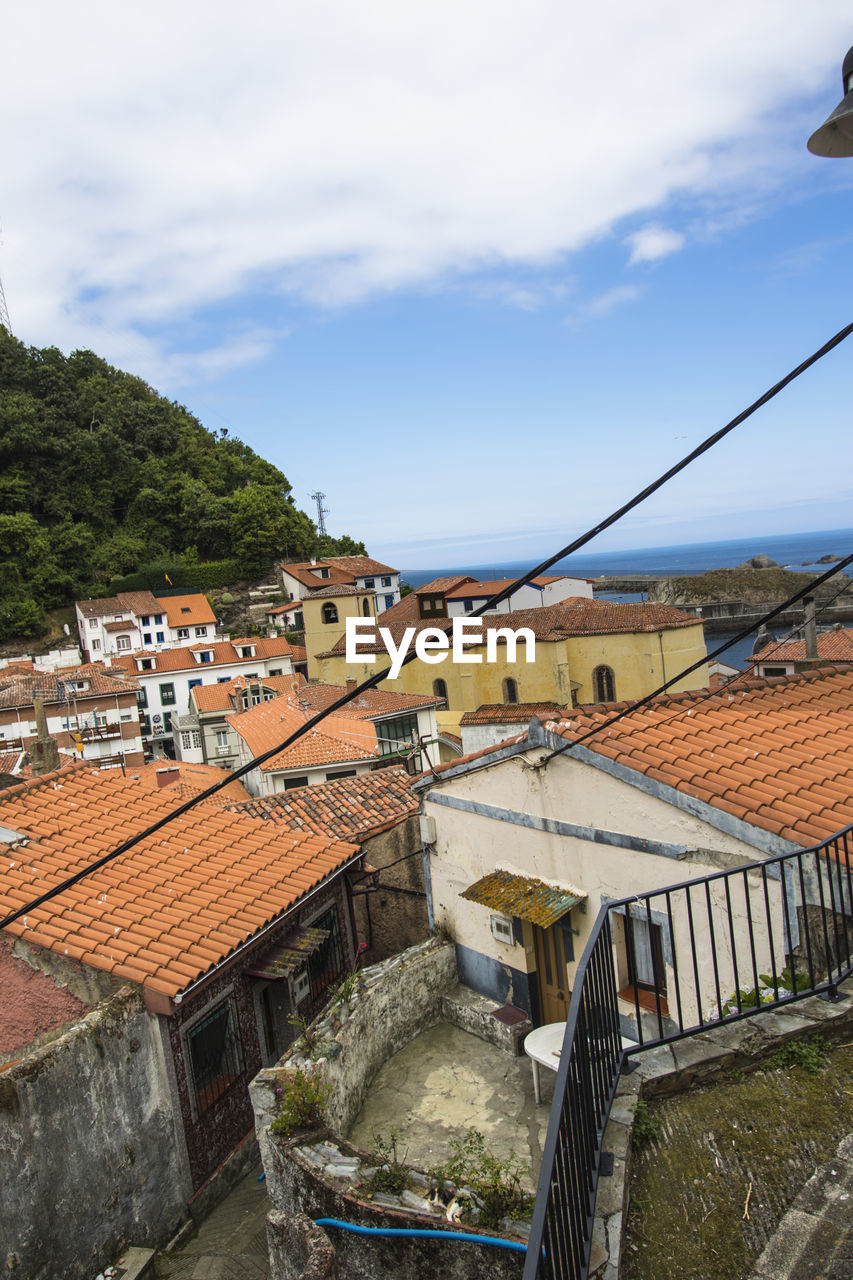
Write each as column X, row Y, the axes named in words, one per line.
column 495, row 1182
column 302, row 1101
column 392, row 1176
column 645, row 1125
column 809, row 1054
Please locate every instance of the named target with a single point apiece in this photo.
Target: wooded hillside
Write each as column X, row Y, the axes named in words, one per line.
column 100, row 475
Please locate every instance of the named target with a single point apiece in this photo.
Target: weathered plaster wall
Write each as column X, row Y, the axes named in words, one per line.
column 34, row 1006
column 88, row 1159
column 510, row 815
column 395, row 916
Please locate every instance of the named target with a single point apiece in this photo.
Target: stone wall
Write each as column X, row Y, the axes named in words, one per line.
column 394, row 917
column 88, row 1160
column 401, row 997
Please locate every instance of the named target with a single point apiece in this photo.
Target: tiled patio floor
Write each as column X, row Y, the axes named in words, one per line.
column 446, row 1081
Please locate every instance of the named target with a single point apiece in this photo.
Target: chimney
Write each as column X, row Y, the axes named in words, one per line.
column 44, row 753
column 165, row 777
column 810, row 628
column 351, row 683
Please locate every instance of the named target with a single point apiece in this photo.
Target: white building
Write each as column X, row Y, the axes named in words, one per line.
column 167, row 676
column 539, row 591
column 299, row 580
column 135, row 620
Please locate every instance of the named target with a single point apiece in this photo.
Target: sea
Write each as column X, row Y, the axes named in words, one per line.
column 797, row 551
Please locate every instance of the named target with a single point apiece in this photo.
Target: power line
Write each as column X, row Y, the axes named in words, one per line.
column 379, row 676
column 741, row 635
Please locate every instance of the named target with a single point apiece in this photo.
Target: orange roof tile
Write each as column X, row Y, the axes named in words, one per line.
column 338, row 740
column 187, row 611
column 776, row 752
column 832, row 646
column 172, row 907
column 352, row 809
column 475, row 590
column 188, row 780
column 224, row 653
column 510, row 713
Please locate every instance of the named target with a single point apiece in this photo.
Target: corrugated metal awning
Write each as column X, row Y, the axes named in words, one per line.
column 523, row 896
column 289, row 955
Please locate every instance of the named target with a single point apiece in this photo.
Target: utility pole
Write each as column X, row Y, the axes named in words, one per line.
column 322, row 512
column 5, row 322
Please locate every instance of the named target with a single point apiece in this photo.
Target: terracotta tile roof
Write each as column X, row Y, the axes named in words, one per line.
column 309, row 577
column 474, row 590
column 777, row 753
column 552, row 623
column 352, row 809
column 224, row 654
column 139, row 602
column 165, row 913
column 187, row 611
column 368, row 705
column 441, row 586
column 530, row 899
column 338, row 589
column 220, row 696
column 511, row 713
column 832, row 646
column 10, row 761
column 298, row 653
column 339, row 740
column 359, row 566
column 128, row 624
column 405, row 610
column 53, row 686
column 188, row 779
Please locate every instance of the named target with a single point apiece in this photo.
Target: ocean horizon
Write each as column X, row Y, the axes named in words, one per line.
column 796, row 551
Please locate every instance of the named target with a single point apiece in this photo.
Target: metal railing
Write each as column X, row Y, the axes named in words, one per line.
column 671, row 963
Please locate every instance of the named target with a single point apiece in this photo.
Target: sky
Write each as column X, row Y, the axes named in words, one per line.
column 478, row 272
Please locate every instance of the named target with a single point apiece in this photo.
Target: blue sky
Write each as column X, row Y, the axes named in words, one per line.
column 477, row 272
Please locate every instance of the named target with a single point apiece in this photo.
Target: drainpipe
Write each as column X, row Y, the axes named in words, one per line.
column 662, row 659
column 810, row 628
column 427, row 827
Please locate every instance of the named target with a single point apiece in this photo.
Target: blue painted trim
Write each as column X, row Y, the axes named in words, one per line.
column 553, row 826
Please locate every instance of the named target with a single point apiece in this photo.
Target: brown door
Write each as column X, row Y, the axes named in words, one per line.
column 550, row 945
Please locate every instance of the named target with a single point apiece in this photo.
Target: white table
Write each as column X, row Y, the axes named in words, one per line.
column 543, row 1047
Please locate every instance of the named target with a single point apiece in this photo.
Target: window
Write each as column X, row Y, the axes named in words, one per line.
column 439, row 688
column 93, row 622
column 185, row 608
column 368, row 582
column 386, row 582
column 158, row 619
column 145, row 620
column 222, row 747
column 123, row 642
column 194, row 683
column 161, row 636
column 201, row 631
column 768, row 671
column 183, row 633
column 191, row 740
column 142, row 698
column 248, row 651
column 389, row 600
column 646, row 968
column 214, row 1055
column 167, row 695
column 330, row 612
column 603, row 687
column 341, row 773
column 146, row 637
column 365, row 607
column 145, row 726
column 146, row 664
column 126, row 716
column 291, row 783
column 167, row 722
column 397, row 735
column 275, row 671
column 96, row 644
column 206, row 655
column 322, row 572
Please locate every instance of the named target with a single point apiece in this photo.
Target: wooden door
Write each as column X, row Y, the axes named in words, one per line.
column 551, row 975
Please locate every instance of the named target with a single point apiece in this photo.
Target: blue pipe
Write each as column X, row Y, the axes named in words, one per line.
column 465, row 1236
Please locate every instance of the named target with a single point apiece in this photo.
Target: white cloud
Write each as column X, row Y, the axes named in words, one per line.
column 604, row 303
column 652, row 243
column 177, row 157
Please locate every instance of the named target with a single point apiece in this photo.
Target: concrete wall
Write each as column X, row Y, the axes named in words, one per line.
column 88, row 1162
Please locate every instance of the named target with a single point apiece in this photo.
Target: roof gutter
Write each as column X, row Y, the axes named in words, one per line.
column 256, row 937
